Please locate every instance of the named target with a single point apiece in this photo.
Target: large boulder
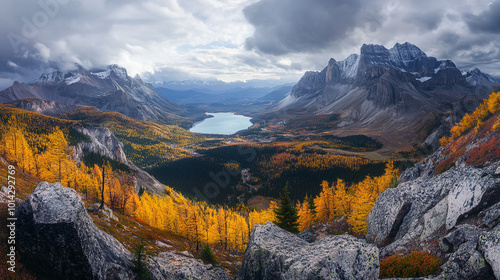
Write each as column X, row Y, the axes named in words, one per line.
column 176, row 266
column 57, row 238
column 274, row 253
column 420, row 209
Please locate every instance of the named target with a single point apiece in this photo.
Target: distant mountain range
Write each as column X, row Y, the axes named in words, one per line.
column 229, row 95
column 395, row 94
column 109, row 89
column 217, row 86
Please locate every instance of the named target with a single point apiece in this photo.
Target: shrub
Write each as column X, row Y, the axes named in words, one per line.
column 487, row 151
column 416, row 264
column 444, row 165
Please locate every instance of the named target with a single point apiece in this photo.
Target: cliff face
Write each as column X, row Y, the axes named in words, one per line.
column 105, row 143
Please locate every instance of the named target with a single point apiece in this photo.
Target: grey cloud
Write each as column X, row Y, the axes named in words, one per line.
column 425, row 20
column 449, row 38
column 283, row 26
column 487, row 21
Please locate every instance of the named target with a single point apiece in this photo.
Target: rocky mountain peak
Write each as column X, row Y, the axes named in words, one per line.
column 374, row 50
column 54, row 77
column 477, row 78
column 405, row 53
column 401, row 56
column 120, row 72
column 112, row 70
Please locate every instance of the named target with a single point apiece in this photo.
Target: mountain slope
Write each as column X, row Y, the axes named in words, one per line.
column 110, row 89
column 146, row 143
column 384, row 92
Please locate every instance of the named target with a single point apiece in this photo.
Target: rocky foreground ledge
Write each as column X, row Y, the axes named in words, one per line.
column 57, row 239
column 274, row 253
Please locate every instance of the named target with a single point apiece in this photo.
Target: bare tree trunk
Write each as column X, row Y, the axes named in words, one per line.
column 102, row 188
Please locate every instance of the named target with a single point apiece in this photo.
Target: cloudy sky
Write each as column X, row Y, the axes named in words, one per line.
column 232, row 40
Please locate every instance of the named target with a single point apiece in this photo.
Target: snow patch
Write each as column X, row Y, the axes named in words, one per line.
column 442, row 66
column 72, row 80
column 103, row 74
column 423, row 79
column 119, row 71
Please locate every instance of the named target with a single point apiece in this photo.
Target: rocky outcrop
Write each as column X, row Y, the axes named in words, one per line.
column 105, row 143
column 419, row 208
column 465, row 261
column 453, row 215
column 48, row 108
column 58, row 239
column 274, row 253
column 178, row 266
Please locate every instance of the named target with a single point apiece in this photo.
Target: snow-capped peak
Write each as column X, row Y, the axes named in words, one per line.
column 405, row 53
column 444, row 64
column 54, row 77
column 349, row 66
column 119, row 71
column 477, row 78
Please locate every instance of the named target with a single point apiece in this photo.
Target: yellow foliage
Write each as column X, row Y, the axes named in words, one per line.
column 474, row 120
column 335, row 201
column 494, row 102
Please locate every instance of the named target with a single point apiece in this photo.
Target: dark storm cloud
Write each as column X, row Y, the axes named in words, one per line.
column 38, row 34
column 486, row 21
column 283, row 26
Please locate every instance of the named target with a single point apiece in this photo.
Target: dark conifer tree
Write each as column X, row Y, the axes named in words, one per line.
column 312, row 208
column 286, row 214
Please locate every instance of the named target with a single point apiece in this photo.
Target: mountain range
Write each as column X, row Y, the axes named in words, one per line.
column 109, row 89
column 399, row 96
column 396, row 94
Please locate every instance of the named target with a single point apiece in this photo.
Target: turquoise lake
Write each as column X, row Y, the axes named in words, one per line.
column 222, row 123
